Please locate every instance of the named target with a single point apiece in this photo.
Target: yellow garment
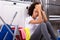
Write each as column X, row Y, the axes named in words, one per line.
column 27, row 33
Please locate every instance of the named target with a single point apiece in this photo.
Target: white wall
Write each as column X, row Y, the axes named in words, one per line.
column 8, row 9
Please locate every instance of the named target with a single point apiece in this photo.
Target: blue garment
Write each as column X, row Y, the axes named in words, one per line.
column 5, row 33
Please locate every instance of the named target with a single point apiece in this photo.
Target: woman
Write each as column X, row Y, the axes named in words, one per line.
column 38, row 23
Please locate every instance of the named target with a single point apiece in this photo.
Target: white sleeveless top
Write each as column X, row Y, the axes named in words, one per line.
column 32, row 27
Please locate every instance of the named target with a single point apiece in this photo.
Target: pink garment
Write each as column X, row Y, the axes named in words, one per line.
column 22, row 34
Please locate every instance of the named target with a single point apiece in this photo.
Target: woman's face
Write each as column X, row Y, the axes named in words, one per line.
column 35, row 12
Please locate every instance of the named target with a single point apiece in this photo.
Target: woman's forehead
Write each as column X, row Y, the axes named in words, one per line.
column 37, row 5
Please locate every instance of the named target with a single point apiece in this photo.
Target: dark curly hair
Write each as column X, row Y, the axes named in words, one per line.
column 31, row 8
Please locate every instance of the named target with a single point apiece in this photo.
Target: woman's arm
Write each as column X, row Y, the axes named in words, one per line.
column 44, row 16
column 38, row 21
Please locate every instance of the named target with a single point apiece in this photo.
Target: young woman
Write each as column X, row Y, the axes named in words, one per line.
column 38, row 23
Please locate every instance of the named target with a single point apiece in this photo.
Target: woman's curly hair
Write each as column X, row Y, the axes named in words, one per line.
column 31, row 8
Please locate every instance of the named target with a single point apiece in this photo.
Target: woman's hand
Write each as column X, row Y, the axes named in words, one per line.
column 38, row 7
